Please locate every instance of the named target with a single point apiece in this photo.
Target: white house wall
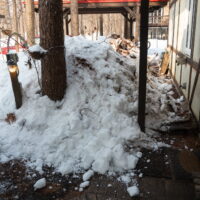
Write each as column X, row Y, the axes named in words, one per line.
column 197, row 36
column 185, row 74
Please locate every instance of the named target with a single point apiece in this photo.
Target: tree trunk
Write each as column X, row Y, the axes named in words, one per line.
column 21, row 19
column 137, row 30
column 30, row 21
column 74, row 17
column 15, row 23
column 52, row 39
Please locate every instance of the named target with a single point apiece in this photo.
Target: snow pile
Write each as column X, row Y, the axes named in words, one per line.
column 89, row 128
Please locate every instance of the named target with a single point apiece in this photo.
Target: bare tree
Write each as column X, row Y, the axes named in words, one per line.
column 52, row 39
column 74, row 17
column 30, row 22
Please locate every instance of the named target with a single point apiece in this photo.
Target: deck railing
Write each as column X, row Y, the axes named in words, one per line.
column 156, row 21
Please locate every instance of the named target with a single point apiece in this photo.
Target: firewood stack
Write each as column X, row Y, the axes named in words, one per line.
column 123, row 46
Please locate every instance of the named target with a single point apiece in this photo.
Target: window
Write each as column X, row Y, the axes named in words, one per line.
column 189, row 13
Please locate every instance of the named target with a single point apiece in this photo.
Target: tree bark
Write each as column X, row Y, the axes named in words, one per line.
column 74, row 17
column 52, row 39
column 137, row 30
column 30, row 21
column 15, row 23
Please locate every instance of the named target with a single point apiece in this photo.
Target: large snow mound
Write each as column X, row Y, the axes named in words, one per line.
column 92, row 124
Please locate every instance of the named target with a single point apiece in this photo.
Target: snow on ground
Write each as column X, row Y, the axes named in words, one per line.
column 89, row 128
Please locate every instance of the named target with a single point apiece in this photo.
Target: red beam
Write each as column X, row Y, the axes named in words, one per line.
column 102, row 1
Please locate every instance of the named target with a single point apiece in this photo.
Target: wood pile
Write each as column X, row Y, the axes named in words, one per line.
column 123, row 46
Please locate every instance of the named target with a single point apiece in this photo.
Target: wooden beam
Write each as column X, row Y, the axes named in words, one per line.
column 2, row 16
column 143, row 63
column 114, row 4
column 97, row 10
column 131, row 29
column 126, row 25
column 111, row 4
column 189, row 61
column 67, row 25
column 195, row 84
column 131, row 12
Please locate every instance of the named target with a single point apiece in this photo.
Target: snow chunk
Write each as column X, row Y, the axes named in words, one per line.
column 41, row 183
column 125, row 178
column 85, row 184
column 88, row 175
column 139, row 154
column 133, row 191
column 140, row 175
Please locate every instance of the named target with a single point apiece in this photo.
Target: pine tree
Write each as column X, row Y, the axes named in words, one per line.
column 52, row 39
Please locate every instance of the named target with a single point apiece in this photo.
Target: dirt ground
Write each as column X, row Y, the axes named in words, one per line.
column 170, row 174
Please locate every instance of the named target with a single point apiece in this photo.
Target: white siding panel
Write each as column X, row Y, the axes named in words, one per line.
column 196, row 54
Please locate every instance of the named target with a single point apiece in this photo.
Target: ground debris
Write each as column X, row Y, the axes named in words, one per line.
column 11, row 118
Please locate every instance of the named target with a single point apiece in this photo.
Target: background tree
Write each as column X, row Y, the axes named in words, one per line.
column 30, row 22
column 52, row 39
column 74, row 17
column 15, row 22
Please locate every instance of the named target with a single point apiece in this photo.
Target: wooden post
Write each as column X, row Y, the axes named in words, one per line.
column 67, row 25
column 81, row 25
column 13, row 71
column 137, row 30
column 101, row 24
column 74, row 17
column 126, row 25
column 143, row 63
column 131, row 28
